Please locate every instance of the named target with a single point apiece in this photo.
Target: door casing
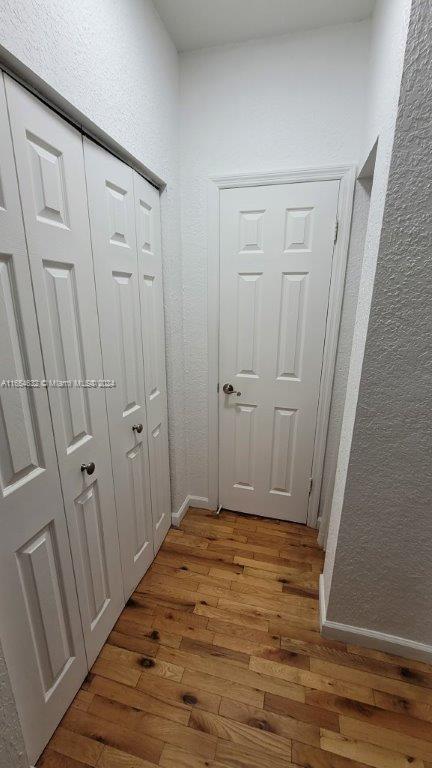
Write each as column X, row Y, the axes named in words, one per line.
column 346, row 174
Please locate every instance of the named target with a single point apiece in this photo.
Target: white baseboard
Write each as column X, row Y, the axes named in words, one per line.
column 201, row 502
column 178, row 516
column 190, row 501
column 370, row 638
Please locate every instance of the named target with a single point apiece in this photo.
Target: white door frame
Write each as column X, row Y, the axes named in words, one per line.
column 346, row 174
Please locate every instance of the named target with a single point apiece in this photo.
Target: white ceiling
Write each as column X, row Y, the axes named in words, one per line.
column 201, row 23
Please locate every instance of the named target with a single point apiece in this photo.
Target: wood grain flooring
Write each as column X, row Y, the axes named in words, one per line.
column 217, row 662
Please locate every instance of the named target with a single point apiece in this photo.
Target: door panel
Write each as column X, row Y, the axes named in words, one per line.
column 50, row 167
column 39, row 615
column 148, row 228
column 111, row 205
column 276, row 249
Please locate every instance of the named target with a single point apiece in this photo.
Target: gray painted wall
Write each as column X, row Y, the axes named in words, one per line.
column 383, row 558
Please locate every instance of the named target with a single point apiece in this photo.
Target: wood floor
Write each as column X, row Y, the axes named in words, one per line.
column 217, row 662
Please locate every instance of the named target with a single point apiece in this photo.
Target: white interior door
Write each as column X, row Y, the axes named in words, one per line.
column 276, row 249
column 39, row 616
column 112, row 220
column 148, row 229
column 51, row 178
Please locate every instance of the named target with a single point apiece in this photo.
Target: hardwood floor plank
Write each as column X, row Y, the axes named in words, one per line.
column 118, row 672
column 304, row 712
column 215, row 651
column 367, row 753
column 53, row 759
column 244, row 644
column 312, row 680
column 114, row 758
column 212, row 684
column 113, row 734
column 134, row 629
column 76, row 746
column 394, row 721
column 139, row 699
column 82, row 700
column 311, row 757
column 173, row 757
column 276, row 565
column 155, row 727
column 235, row 756
column 382, row 737
column 185, row 693
column 121, row 658
column 395, row 703
column 377, row 682
column 286, row 727
column 243, row 618
column 244, row 735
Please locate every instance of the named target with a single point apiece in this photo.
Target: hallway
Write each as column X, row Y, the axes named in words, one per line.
column 217, row 662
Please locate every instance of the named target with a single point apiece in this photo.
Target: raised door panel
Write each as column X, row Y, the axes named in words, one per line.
column 41, row 627
column 148, row 229
column 112, row 222
column 51, row 177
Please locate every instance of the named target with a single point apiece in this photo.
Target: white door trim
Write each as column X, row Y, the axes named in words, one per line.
column 346, row 174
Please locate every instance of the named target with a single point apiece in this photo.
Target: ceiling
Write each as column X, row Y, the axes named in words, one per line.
column 196, row 24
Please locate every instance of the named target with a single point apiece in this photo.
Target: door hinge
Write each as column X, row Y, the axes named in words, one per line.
column 310, row 485
column 336, row 231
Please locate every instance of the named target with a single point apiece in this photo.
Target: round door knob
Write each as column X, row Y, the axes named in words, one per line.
column 89, row 468
column 137, row 428
column 229, row 390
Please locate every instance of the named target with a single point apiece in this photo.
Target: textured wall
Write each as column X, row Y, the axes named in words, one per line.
column 290, row 102
column 115, row 62
column 389, row 30
column 386, row 518
column 12, row 751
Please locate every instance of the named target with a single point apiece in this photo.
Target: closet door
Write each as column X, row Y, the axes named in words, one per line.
column 39, row 615
column 50, row 165
column 147, row 217
column 111, row 205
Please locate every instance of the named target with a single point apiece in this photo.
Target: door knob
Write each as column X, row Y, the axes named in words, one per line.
column 89, row 468
column 229, row 390
column 137, row 428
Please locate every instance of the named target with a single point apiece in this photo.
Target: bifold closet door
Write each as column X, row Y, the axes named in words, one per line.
column 112, row 221
column 50, row 166
column 148, row 229
column 39, row 615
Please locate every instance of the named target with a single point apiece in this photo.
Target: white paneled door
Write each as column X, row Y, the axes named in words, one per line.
column 112, row 219
column 276, row 249
column 50, row 166
column 147, row 217
column 39, row 616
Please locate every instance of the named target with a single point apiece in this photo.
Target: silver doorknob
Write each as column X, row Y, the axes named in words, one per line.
column 229, row 390
column 89, row 468
column 137, row 428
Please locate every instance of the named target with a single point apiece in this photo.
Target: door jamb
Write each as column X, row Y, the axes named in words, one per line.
column 346, row 175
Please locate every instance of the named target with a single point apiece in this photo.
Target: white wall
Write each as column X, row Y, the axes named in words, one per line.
column 389, row 31
column 359, row 223
column 289, row 102
column 114, row 62
column 383, row 565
